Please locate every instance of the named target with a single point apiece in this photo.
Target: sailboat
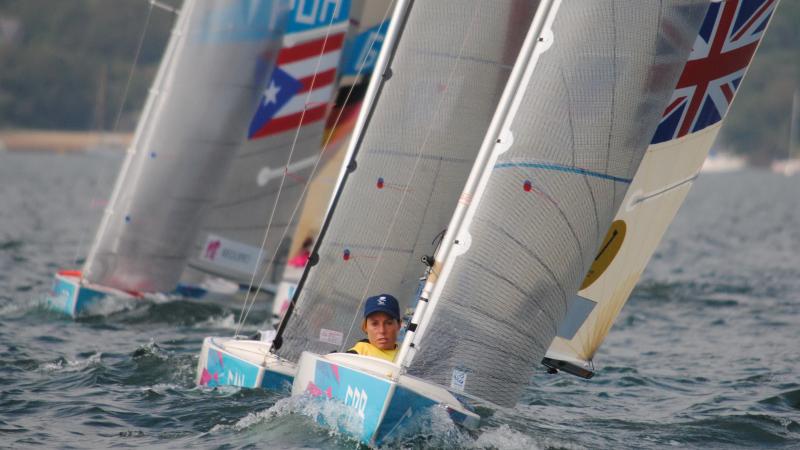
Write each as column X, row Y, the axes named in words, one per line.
column 557, row 164
column 248, row 227
column 219, row 57
column 369, row 191
column 729, row 37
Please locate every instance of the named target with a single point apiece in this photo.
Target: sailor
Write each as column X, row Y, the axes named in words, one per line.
column 381, row 323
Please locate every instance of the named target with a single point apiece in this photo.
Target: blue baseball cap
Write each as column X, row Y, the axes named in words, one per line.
column 382, row 303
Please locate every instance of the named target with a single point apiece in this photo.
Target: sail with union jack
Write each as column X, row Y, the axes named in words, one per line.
column 724, row 47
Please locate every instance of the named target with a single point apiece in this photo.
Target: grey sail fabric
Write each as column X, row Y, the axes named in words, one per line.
column 586, row 118
column 447, row 75
column 220, row 56
column 290, row 118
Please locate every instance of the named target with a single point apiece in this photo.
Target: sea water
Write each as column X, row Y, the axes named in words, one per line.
column 706, row 353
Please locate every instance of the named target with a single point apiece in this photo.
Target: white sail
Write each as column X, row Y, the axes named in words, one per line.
column 418, row 144
column 728, row 38
column 290, row 121
column 590, row 98
column 220, row 55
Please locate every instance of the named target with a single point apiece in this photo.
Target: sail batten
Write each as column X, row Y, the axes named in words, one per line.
column 569, row 146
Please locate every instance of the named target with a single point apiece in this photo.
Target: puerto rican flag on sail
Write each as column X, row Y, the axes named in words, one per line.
column 312, row 45
column 722, row 52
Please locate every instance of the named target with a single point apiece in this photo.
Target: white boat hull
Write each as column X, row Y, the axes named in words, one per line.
column 378, row 399
column 72, row 296
column 244, row 363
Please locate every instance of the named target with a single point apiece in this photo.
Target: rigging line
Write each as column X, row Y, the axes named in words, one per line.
column 325, row 146
column 422, row 147
column 163, row 6
column 248, row 298
column 125, row 93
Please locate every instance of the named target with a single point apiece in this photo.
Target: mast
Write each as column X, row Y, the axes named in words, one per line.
column 536, row 42
column 379, row 76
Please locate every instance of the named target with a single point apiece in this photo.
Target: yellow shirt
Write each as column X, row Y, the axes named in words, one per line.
column 367, row 349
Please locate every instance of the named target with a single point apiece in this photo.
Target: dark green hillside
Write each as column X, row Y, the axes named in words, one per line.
column 66, row 64
column 758, row 124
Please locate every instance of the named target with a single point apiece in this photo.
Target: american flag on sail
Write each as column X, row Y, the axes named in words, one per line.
column 722, row 52
column 294, row 86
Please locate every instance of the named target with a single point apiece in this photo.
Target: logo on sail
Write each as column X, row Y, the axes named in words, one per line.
column 211, row 249
column 608, row 250
column 458, row 381
column 230, row 254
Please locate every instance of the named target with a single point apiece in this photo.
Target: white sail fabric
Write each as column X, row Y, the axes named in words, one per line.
column 292, row 111
column 220, row 56
column 558, row 176
column 728, row 38
column 424, row 131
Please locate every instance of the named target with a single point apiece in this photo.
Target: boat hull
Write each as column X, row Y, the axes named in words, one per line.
column 243, row 363
column 71, row 297
column 378, row 401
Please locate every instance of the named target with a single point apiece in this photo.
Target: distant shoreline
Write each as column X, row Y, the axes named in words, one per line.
column 62, row 141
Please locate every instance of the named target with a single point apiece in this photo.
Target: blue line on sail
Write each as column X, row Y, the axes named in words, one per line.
column 560, row 168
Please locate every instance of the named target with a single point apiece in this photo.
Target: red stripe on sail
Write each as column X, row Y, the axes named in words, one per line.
column 310, row 49
column 280, row 124
column 323, row 79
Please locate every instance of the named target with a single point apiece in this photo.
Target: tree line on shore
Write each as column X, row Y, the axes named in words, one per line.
column 65, row 65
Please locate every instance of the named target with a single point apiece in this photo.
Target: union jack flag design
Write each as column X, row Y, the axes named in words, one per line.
column 294, row 86
column 727, row 41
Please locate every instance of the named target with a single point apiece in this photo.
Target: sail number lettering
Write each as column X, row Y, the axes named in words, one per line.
column 312, row 12
column 357, row 399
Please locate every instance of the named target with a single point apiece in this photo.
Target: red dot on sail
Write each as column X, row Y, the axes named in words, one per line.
column 380, row 183
column 527, row 186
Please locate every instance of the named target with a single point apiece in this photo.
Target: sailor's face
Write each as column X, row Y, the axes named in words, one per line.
column 382, row 330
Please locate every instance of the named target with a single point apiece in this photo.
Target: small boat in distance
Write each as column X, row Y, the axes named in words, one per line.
column 717, row 162
column 791, row 165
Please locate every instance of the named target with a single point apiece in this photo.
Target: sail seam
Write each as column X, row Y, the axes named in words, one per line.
column 539, row 260
column 563, row 168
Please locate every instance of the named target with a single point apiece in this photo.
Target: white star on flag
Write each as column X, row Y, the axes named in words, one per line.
column 271, row 94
